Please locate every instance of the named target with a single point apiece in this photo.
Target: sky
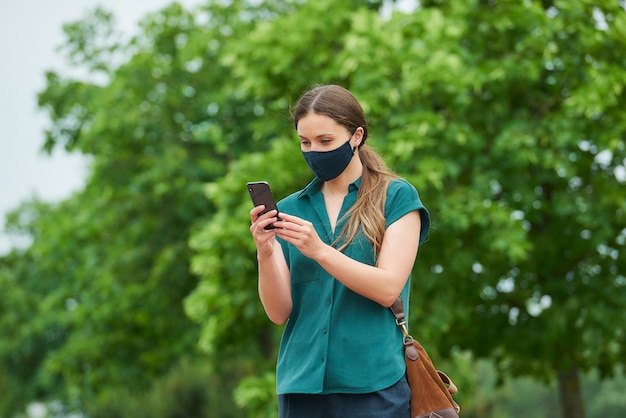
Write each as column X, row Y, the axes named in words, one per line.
column 30, row 33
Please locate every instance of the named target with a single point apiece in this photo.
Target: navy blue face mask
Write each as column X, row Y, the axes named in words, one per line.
column 327, row 165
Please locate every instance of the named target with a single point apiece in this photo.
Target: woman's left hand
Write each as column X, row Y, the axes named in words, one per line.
column 300, row 233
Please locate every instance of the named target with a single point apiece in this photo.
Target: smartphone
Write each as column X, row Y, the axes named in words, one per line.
column 261, row 194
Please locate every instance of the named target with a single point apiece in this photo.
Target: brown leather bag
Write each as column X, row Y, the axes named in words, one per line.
column 431, row 389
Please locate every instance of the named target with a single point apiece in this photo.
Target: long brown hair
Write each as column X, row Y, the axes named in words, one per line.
column 369, row 210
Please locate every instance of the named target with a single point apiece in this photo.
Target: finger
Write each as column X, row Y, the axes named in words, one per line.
column 270, row 217
column 290, row 230
column 289, row 218
column 255, row 214
column 256, row 210
column 266, row 223
column 287, row 235
column 259, row 232
column 270, row 214
column 290, row 221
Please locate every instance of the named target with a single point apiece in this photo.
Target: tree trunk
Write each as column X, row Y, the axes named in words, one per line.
column 570, row 394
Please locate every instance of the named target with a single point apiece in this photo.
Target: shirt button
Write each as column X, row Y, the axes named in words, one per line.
column 325, row 331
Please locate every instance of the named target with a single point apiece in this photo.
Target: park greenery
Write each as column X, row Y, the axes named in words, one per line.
column 136, row 296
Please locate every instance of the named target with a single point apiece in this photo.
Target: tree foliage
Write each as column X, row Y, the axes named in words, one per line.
column 507, row 116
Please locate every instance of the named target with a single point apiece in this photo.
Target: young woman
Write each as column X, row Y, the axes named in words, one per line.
column 341, row 254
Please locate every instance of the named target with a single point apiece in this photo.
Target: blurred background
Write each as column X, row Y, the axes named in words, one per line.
column 127, row 271
column 32, row 31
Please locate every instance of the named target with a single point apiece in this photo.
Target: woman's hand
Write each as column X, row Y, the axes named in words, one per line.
column 300, row 233
column 263, row 238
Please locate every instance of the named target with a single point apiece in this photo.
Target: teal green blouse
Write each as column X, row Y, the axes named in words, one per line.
column 335, row 340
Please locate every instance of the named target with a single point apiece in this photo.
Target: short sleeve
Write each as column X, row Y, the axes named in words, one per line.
column 403, row 198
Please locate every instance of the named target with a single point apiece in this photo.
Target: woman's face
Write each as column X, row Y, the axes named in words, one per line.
column 321, row 133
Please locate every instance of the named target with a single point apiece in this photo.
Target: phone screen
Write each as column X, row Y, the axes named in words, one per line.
column 261, row 194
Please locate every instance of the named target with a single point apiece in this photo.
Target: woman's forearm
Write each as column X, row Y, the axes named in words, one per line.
column 274, row 287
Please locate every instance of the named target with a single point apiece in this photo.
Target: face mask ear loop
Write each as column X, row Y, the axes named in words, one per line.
column 356, row 147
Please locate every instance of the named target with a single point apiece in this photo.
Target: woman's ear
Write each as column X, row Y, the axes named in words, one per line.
column 358, row 136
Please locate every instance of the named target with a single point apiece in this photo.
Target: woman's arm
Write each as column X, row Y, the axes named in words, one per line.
column 274, row 277
column 381, row 283
column 275, row 286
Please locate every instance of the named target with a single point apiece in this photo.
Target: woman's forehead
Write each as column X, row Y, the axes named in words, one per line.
column 314, row 124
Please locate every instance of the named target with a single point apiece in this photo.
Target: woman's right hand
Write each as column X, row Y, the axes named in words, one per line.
column 263, row 238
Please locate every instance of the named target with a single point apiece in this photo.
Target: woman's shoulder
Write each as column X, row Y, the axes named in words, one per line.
column 401, row 186
column 402, row 198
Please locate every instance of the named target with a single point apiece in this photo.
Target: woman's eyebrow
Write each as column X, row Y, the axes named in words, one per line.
column 318, row 136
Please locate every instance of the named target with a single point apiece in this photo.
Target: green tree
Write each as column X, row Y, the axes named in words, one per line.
column 108, row 268
column 505, row 115
column 96, row 301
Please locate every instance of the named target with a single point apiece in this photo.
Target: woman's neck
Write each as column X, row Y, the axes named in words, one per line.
column 339, row 185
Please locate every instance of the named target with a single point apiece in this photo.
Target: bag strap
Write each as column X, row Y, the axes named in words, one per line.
column 397, row 308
